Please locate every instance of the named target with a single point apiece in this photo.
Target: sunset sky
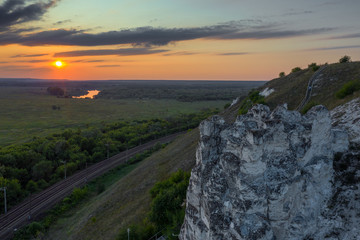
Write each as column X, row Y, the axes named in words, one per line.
column 173, row 39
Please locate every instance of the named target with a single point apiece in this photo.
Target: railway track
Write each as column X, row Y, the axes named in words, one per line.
column 37, row 204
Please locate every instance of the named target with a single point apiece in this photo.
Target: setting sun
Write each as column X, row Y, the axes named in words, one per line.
column 59, row 64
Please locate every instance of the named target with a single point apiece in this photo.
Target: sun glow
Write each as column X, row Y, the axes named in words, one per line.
column 59, row 64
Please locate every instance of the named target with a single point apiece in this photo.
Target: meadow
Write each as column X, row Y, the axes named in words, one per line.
column 27, row 110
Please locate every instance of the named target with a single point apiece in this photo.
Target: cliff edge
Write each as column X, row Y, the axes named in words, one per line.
column 273, row 175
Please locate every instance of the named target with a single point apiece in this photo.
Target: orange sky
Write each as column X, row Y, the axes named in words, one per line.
column 151, row 42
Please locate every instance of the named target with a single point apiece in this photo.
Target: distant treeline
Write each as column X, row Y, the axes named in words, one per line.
column 183, row 93
column 30, row 167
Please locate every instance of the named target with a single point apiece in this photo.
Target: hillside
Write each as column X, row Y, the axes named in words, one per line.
column 291, row 89
column 127, row 201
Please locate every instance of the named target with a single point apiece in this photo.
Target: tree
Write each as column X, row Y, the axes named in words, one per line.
column 56, row 91
column 345, row 59
column 282, row 74
column 42, row 170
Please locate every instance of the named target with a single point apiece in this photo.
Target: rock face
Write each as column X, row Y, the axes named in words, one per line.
column 347, row 117
column 269, row 175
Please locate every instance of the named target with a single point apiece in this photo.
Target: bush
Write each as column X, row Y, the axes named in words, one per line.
column 345, row 59
column 296, row 69
column 314, row 67
column 282, row 74
column 348, row 89
column 253, row 98
column 308, row 106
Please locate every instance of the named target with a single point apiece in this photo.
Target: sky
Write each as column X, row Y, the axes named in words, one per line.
column 173, row 39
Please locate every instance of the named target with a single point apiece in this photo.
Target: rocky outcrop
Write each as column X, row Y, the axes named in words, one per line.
column 269, row 175
column 347, row 117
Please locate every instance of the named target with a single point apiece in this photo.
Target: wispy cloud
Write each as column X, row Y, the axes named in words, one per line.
column 233, row 53
column 13, row 12
column 353, row 35
column 182, row 53
column 149, row 36
column 334, row 48
column 62, row 22
column 103, row 52
column 108, row 66
column 28, row 55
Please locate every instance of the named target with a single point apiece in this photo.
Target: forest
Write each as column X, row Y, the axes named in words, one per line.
column 30, row 167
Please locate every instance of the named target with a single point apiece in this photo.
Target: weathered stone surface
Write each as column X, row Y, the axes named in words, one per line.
column 267, row 176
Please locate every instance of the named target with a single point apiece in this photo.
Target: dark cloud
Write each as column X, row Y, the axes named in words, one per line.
column 334, row 48
column 106, row 66
column 102, row 52
column 149, row 36
column 233, row 53
column 28, row 55
column 13, row 12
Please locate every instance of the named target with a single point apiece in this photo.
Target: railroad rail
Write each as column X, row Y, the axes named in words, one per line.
column 37, row 204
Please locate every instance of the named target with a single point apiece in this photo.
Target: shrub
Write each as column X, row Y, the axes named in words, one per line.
column 308, row 106
column 347, row 89
column 345, row 59
column 296, row 69
column 314, row 66
column 282, row 74
column 253, row 98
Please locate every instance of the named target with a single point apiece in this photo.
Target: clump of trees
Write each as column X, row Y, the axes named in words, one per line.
column 345, row 59
column 56, row 91
column 282, row 74
column 33, row 166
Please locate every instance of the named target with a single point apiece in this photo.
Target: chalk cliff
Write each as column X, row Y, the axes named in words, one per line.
column 274, row 175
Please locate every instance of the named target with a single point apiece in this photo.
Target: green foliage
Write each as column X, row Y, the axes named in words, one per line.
column 282, row 74
column 253, row 98
column 295, row 69
column 348, row 89
column 41, row 160
column 314, row 66
column 308, row 106
column 227, row 105
column 36, row 229
column 345, row 59
column 167, row 209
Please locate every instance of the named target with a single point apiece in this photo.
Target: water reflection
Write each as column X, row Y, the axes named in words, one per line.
column 91, row 94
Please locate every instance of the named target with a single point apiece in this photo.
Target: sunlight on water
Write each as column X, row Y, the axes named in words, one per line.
column 91, row 94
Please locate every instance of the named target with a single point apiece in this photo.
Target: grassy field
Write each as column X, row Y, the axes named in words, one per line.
column 28, row 111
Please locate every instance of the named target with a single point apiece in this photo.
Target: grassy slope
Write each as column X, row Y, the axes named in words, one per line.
column 291, row 88
column 126, row 201
column 26, row 112
column 334, row 77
